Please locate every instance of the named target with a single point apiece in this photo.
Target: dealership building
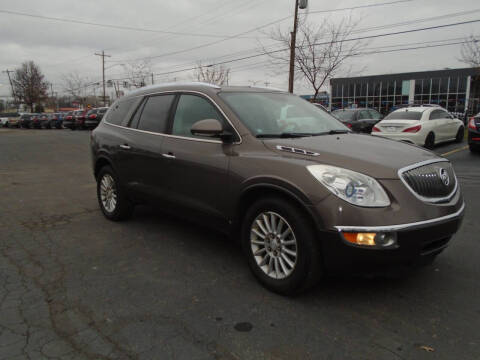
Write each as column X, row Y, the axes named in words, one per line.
column 457, row 90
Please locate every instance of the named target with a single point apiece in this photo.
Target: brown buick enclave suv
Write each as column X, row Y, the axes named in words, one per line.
column 305, row 195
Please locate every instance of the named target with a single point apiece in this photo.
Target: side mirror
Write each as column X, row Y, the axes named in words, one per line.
column 210, row 128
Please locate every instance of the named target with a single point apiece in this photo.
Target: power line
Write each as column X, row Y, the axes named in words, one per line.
column 259, row 28
column 111, row 26
column 329, row 42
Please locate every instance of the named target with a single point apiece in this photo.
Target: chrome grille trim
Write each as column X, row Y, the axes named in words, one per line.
column 424, row 198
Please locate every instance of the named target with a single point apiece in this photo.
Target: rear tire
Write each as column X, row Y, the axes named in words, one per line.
column 111, row 197
column 306, row 270
column 474, row 148
column 430, row 141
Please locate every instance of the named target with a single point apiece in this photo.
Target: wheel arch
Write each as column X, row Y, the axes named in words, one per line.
column 100, row 162
column 263, row 189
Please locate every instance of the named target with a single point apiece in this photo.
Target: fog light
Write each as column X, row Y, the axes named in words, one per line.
column 379, row 240
column 386, row 239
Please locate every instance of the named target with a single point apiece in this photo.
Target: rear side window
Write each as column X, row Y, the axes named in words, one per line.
column 344, row 115
column 375, row 114
column 438, row 114
column 190, row 109
column 119, row 111
column 364, row 114
column 404, row 115
column 155, row 113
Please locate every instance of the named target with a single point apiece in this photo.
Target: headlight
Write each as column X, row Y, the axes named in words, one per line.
column 351, row 186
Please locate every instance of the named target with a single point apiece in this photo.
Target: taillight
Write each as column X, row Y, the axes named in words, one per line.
column 349, row 125
column 471, row 124
column 413, row 129
column 376, row 129
column 93, row 116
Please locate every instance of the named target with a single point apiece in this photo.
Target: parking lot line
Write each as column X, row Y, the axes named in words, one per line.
column 454, row 151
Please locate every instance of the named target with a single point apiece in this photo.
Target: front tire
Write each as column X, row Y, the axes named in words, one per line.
column 430, row 141
column 281, row 247
column 111, row 197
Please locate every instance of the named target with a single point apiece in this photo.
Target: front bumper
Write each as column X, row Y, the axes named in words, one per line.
column 417, row 243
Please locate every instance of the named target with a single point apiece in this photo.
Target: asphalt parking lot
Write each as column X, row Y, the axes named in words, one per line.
column 76, row 286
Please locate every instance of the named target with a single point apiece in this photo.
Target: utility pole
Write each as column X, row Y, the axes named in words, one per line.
column 11, row 83
column 103, row 55
column 51, row 95
column 302, row 4
column 152, row 80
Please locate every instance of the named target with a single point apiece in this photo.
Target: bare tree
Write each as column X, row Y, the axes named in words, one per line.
column 470, row 51
column 76, row 86
column 138, row 73
column 321, row 50
column 212, row 74
column 29, row 85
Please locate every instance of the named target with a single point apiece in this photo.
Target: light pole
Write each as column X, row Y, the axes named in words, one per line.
column 302, row 4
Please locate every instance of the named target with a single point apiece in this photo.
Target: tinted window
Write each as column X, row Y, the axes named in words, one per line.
column 119, row 111
column 136, row 117
column 404, row 115
column 345, row 115
column 155, row 112
column 438, row 114
column 191, row 109
column 102, row 111
column 375, row 114
column 363, row 114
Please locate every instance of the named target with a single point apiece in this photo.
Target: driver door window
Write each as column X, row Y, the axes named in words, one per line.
column 190, row 109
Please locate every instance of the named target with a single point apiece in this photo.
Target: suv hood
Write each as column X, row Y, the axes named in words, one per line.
column 371, row 155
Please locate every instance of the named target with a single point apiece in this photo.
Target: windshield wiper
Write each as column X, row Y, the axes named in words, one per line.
column 332, row 132
column 284, row 135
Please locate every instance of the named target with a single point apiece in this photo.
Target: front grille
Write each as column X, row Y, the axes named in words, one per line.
column 434, row 181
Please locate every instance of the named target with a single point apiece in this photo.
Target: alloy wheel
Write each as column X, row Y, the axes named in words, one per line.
column 273, row 245
column 108, row 193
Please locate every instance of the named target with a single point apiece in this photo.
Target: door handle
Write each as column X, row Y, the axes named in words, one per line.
column 125, row 146
column 169, row 156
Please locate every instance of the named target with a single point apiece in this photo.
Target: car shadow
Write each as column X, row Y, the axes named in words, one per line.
column 228, row 256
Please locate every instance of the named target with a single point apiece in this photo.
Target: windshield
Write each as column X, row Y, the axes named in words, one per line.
column 404, row 115
column 279, row 114
column 343, row 114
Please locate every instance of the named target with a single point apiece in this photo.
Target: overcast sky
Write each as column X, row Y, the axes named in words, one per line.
column 64, row 47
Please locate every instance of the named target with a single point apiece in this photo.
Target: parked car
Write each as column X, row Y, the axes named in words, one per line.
column 60, row 116
column 69, row 120
column 94, row 116
column 35, row 122
column 474, row 133
column 421, row 125
column 26, row 119
column 80, row 117
column 10, row 120
column 315, row 199
column 52, row 120
column 359, row 120
column 3, row 120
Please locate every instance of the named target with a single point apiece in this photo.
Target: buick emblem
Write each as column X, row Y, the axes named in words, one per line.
column 444, row 176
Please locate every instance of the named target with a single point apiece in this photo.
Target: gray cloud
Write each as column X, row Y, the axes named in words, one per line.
column 62, row 47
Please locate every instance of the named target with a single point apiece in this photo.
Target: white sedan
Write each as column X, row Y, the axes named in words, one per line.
column 422, row 125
